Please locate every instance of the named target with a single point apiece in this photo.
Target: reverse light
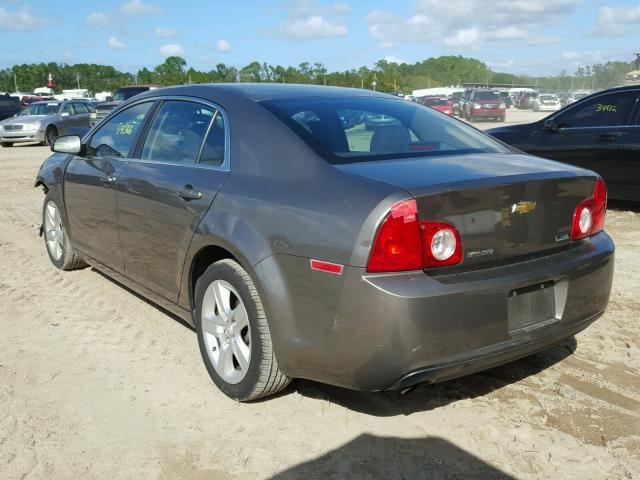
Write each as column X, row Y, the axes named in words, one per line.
column 405, row 243
column 589, row 215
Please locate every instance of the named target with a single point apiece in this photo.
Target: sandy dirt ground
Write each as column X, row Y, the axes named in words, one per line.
column 97, row 383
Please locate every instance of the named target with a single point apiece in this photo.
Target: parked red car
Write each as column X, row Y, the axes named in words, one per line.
column 485, row 104
column 437, row 103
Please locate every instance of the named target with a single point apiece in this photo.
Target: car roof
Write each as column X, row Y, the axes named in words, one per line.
column 265, row 91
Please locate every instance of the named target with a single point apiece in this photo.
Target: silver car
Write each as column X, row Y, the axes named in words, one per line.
column 43, row 122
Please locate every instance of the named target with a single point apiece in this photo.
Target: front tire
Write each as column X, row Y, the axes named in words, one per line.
column 50, row 135
column 233, row 334
column 7, row 144
column 56, row 239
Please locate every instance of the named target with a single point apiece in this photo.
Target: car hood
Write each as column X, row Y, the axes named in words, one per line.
column 438, row 173
column 20, row 119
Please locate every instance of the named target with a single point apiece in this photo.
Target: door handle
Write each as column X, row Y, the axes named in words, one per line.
column 108, row 179
column 188, row 193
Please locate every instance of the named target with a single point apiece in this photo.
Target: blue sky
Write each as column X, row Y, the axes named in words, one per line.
column 519, row 36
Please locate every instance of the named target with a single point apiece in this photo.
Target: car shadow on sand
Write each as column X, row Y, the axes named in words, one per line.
column 427, row 397
column 371, row 457
column 623, row 205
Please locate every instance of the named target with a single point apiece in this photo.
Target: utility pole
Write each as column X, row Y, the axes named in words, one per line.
column 78, row 80
column 15, row 82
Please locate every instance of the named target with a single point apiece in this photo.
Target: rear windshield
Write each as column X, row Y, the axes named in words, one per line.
column 346, row 130
column 8, row 102
column 548, row 97
column 433, row 102
column 127, row 93
column 486, row 96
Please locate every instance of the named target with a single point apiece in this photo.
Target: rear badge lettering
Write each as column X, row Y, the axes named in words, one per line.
column 480, row 253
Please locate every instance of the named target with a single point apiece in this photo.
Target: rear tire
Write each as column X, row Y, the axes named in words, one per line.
column 50, row 135
column 233, row 334
column 7, row 144
column 56, row 239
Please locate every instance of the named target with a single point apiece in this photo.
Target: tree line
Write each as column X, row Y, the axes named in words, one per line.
column 384, row 76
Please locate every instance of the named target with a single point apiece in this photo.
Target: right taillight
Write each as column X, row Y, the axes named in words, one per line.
column 588, row 217
column 403, row 242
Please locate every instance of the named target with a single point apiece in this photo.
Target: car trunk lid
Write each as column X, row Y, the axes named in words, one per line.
column 506, row 207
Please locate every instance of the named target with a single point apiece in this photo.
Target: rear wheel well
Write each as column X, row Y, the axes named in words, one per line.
column 203, row 259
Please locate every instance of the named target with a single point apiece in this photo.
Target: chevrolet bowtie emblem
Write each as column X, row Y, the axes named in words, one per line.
column 523, row 207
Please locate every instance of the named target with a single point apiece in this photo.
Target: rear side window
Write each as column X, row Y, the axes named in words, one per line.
column 605, row 110
column 116, row 138
column 344, row 129
column 215, row 144
column 177, row 132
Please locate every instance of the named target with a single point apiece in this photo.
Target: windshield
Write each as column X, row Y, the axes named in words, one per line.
column 432, row 102
column 548, row 98
column 486, row 96
column 41, row 109
column 126, row 93
column 578, row 96
column 378, row 129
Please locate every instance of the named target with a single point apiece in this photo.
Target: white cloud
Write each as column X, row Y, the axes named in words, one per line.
column 466, row 24
column 172, row 50
column 98, row 19
column 394, row 59
column 115, row 44
column 20, row 21
column 617, row 21
column 340, row 8
column 138, row 7
column 576, row 58
column 313, row 27
column 166, row 33
column 308, row 20
column 223, row 46
column 547, row 40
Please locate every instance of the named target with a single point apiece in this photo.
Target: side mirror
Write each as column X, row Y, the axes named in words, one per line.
column 551, row 125
column 67, row 144
column 64, row 114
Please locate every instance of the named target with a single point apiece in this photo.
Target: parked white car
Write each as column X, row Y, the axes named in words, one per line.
column 546, row 102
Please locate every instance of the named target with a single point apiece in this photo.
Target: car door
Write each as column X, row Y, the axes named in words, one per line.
column 65, row 118
column 625, row 181
column 587, row 134
column 90, row 183
column 81, row 115
column 163, row 195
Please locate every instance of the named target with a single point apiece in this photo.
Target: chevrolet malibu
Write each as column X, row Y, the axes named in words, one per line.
column 301, row 246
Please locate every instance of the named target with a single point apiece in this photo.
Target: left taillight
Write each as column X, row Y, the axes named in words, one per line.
column 403, row 242
column 589, row 215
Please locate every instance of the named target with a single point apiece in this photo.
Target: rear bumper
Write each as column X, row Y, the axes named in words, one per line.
column 380, row 331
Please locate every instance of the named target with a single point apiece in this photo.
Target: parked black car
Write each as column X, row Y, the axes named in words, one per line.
column 9, row 106
column 416, row 251
column 600, row 132
column 122, row 94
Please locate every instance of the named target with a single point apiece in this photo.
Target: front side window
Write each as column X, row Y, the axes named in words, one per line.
column 177, row 132
column 604, row 110
column 80, row 108
column 116, row 138
column 67, row 109
column 345, row 130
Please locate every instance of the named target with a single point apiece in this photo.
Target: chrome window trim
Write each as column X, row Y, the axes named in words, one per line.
column 226, row 164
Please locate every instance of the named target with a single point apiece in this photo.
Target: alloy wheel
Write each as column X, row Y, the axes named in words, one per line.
column 53, row 231
column 226, row 330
